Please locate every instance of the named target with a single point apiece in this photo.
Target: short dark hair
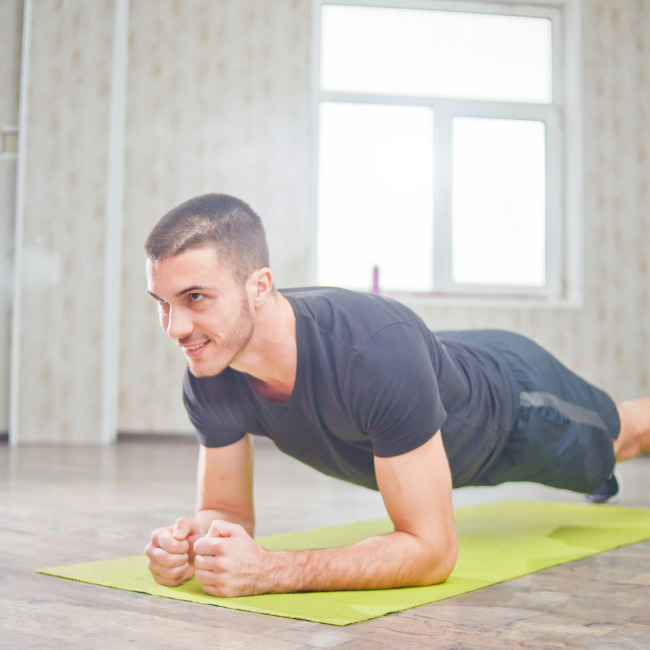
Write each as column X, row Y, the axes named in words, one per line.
column 223, row 222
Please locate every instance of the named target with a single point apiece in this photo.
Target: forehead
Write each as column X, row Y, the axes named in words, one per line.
column 193, row 267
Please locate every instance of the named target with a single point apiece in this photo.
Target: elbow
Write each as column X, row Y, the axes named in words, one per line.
column 437, row 565
column 448, row 563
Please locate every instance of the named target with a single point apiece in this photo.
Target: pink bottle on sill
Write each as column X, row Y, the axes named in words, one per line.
column 375, row 279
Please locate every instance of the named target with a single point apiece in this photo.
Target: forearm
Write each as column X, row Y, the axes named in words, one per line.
column 206, row 516
column 396, row 559
column 225, row 485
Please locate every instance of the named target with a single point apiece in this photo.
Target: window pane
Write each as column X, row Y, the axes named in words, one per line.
column 498, row 202
column 436, row 53
column 375, row 204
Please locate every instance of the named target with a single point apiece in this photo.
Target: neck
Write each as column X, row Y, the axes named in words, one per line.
column 271, row 358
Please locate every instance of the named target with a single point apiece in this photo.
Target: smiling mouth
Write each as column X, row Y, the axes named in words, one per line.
column 191, row 350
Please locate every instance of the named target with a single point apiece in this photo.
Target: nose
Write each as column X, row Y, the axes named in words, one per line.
column 178, row 325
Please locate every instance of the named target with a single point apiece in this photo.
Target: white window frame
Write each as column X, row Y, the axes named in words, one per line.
column 562, row 120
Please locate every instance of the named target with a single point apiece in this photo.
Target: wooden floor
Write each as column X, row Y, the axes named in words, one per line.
column 66, row 505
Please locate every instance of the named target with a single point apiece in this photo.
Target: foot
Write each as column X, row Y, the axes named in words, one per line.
column 634, row 436
column 609, row 492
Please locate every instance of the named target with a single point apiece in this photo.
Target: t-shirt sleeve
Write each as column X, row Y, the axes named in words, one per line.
column 394, row 391
column 208, row 411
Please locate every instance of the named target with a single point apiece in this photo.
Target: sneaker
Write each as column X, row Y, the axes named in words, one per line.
column 609, row 492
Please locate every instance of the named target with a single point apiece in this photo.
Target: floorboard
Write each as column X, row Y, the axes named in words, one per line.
column 76, row 504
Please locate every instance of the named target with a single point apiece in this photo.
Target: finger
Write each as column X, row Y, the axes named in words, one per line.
column 165, row 559
column 221, row 528
column 164, row 539
column 208, row 546
column 211, row 590
column 222, row 590
column 210, row 563
column 170, row 577
column 183, row 527
column 210, row 578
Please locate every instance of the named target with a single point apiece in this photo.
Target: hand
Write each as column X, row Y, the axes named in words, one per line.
column 170, row 552
column 228, row 562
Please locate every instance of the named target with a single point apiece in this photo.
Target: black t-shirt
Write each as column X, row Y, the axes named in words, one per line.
column 372, row 380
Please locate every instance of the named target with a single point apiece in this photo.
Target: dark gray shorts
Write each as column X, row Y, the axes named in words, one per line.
column 564, row 427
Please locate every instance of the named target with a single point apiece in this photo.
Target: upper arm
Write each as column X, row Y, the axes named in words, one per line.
column 393, row 391
column 225, row 481
column 416, row 488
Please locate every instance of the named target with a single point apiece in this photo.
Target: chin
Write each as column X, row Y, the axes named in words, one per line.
column 205, row 369
column 204, row 372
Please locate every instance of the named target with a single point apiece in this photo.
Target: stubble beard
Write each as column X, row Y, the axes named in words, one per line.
column 227, row 349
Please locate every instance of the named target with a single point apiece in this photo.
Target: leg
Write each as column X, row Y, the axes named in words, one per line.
column 634, row 437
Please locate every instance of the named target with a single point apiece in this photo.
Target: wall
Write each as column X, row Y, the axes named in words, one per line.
column 59, row 272
column 218, row 99
column 11, row 16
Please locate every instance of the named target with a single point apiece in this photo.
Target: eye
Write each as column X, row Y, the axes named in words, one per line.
column 195, row 297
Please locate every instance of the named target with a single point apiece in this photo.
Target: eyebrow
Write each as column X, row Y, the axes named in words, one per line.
column 183, row 292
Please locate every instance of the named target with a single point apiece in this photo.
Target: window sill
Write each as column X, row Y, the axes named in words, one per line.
column 474, row 301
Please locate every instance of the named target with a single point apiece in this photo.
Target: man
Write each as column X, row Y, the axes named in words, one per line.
column 356, row 386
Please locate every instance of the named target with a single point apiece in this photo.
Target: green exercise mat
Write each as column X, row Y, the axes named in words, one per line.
column 498, row 542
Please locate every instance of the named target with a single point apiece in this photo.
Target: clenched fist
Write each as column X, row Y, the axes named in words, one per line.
column 228, row 562
column 171, row 552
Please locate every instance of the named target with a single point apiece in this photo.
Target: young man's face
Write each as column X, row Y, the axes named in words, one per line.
column 202, row 307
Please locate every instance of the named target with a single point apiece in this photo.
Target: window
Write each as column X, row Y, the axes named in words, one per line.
column 443, row 147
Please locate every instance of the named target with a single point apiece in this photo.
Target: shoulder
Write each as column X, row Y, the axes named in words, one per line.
column 350, row 316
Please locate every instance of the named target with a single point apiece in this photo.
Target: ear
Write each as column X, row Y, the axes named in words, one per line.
column 260, row 286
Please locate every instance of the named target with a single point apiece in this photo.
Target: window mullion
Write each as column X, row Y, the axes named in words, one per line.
column 442, row 199
column 555, row 165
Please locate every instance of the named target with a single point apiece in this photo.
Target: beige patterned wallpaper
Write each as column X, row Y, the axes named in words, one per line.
column 219, row 100
column 62, row 271
column 617, row 196
column 10, row 41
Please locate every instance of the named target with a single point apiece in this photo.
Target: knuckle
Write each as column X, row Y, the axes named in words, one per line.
column 161, row 532
column 170, row 546
column 202, row 576
column 218, row 590
column 210, row 590
column 176, row 573
column 173, row 561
